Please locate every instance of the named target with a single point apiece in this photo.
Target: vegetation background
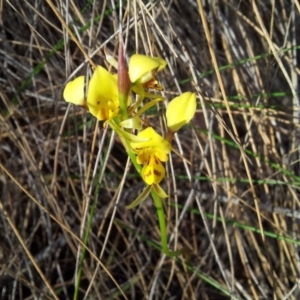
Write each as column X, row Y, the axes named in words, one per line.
column 233, row 178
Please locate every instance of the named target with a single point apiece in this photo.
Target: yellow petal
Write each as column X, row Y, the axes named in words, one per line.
column 180, row 111
column 153, row 171
column 142, row 66
column 143, row 156
column 74, row 91
column 161, row 155
column 102, row 98
column 155, row 141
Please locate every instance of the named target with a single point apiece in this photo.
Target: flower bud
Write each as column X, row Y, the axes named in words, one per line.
column 123, row 78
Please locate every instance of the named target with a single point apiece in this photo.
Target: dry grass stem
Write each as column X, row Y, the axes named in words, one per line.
column 233, row 176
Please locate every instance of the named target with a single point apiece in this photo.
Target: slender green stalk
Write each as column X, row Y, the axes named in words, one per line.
column 162, row 226
column 123, row 106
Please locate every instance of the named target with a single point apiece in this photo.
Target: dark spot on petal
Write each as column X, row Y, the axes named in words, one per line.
column 98, row 102
column 157, row 173
column 148, row 174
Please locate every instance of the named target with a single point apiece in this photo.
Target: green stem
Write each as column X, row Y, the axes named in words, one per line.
column 123, row 105
column 163, row 226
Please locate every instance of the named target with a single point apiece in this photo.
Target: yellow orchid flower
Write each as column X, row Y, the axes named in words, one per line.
column 180, row 111
column 102, row 97
column 74, row 91
column 150, row 154
column 142, row 70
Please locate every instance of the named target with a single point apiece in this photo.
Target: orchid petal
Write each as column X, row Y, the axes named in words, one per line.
column 181, row 110
column 142, row 66
column 153, row 171
column 102, row 99
column 74, row 91
column 155, row 140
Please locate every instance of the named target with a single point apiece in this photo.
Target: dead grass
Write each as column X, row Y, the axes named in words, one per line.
column 234, row 199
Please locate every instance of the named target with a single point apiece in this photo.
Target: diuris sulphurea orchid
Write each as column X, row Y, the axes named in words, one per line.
column 142, row 70
column 109, row 99
column 150, row 154
column 102, row 97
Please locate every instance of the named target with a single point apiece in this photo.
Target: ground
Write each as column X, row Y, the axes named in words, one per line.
column 232, row 177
